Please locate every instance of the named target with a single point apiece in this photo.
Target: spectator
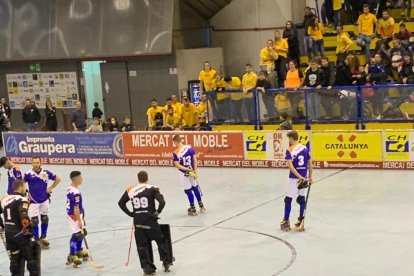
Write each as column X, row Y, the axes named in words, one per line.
column 97, row 112
column 286, row 124
column 176, row 105
column 291, row 35
column 268, row 56
column 113, row 125
column 168, row 103
column 154, row 113
column 202, row 112
column 327, row 12
column 50, row 114
column 314, row 78
column 366, row 24
column 316, row 32
column 248, row 84
column 406, row 70
column 223, row 99
column 268, row 97
column 4, row 121
column 189, row 116
column 329, row 73
column 96, row 125
column 127, row 125
column 377, row 76
column 337, row 7
column 404, row 36
column 294, row 78
column 352, row 10
column 343, row 42
column 386, row 28
column 406, row 5
column 79, row 121
column 281, row 47
column 344, row 71
column 7, row 109
column 360, row 78
column 206, row 78
column 31, row 116
column 397, row 52
column 234, row 83
column 172, row 120
column 307, row 40
column 328, row 99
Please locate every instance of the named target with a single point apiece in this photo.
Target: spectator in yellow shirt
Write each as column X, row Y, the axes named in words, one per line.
column 268, row 56
column 366, row 24
column 223, row 99
column 206, row 78
column 176, row 105
column 282, row 48
column 315, row 31
column 189, row 117
column 172, row 120
column 154, row 114
column 249, row 84
column 234, row 83
column 386, row 29
column 168, row 102
column 202, row 112
column 343, row 42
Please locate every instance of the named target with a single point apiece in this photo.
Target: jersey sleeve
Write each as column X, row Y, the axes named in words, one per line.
column 76, row 199
column 17, row 173
column 288, row 156
column 51, row 175
column 26, row 177
column 175, row 157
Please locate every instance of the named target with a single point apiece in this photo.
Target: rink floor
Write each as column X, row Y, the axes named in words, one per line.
column 358, row 223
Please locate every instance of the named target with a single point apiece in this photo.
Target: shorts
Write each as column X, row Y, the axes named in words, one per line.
column 292, row 190
column 36, row 209
column 73, row 224
column 187, row 182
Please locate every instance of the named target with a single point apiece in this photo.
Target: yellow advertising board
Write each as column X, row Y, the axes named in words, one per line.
column 353, row 146
column 396, row 145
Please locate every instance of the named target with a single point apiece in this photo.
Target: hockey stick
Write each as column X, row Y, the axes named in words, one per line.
column 130, row 243
column 4, row 242
column 93, row 263
column 302, row 223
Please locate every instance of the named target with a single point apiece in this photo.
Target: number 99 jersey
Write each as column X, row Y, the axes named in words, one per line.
column 142, row 197
column 299, row 154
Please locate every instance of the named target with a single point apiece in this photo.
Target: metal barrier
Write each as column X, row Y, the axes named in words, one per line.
column 309, row 106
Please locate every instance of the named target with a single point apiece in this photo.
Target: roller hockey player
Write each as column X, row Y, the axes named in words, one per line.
column 75, row 212
column 13, row 172
column 37, row 179
column 142, row 197
column 185, row 160
column 300, row 165
column 17, row 231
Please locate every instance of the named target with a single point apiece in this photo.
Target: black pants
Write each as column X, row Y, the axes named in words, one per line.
column 21, row 248
column 281, row 69
column 143, row 237
column 51, row 124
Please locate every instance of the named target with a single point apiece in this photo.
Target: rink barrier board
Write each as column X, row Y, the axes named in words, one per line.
column 391, row 149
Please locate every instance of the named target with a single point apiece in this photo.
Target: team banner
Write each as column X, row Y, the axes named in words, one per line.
column 64, row 148
column 352, row 146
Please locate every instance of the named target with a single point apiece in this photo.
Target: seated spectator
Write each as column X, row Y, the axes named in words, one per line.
column 168, row 102
column 234, row 83
column 223, row 99
column 154, row 114
column 172, row 120
column 268, row 56
column 360, row 78
column 386, row 29
column 176, row 105
column 249, row 83
column 404, row 35
column 113, row 125
column 316, row 31
column 406, row 72
column 189, row 116
column 268, row 97
column 127, row 125
column 97, row 112
column 95, row 126
column 202, row 112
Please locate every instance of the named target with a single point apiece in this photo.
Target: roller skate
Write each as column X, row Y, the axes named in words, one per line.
column 149, row 273
column 166, row 265
column 192, row 211
column 44, row 243
column 74, row 260
column 300, row 224
column 83, row 254
column 285, row 225
column 201, row 205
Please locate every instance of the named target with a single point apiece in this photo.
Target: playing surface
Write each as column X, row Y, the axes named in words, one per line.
column 358, row 223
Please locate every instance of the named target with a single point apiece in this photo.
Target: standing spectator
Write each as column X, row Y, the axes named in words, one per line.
column 352, row 9
column 31, row 116
column 377, row 76
column 189, row 116
column 127, row 125
column 7, row 109
column 337, row 7
column 314, row 78
column 176, row 105
column 404, row 36
column 248, row 84
column 406, row 4
column 234, row 83
column 285, row 123
column 113, row 125
column 406, row 72
column 202, row 112
column 223, row 99
column 282, row 47
column 154, row 111
column 97, row 112
column 268, row 97
column 345, row 71
column 168, row 102
column 291, row 35
column 328, row 97
column 50, row 114
column 315, row 31
column 172, row 121
column 206, row 78
column 343, row 42
column 268, row 56
column 294, row 79
column 367, row 28
column 79, row 121
column 95, row 126
column 327, row 12
column 386, row 28
column 307, row 40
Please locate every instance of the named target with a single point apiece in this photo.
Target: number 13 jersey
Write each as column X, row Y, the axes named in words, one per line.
column 185, row 156
column 300, row 157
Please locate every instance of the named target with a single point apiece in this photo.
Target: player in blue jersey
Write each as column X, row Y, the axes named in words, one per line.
column 300, row 165
column 75, row 212
column 39, row 192
column 185, row 160
column 13, row 172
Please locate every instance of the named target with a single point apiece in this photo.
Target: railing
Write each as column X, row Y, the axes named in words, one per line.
column 343, row 104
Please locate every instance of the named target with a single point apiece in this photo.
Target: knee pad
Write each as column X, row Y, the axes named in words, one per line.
column 78, row 236
column 15, row 262
column 300, row 200
column 288, row 199
column 35, row 221
column 44, row 219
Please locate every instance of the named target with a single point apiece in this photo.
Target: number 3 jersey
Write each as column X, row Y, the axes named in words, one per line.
column 300, row 157
column 185, row 156
column 73, row 198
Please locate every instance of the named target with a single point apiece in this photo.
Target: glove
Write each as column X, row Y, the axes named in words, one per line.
column 84, row 232
column 155, row 215
column 303, row 184
column 191, row 174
